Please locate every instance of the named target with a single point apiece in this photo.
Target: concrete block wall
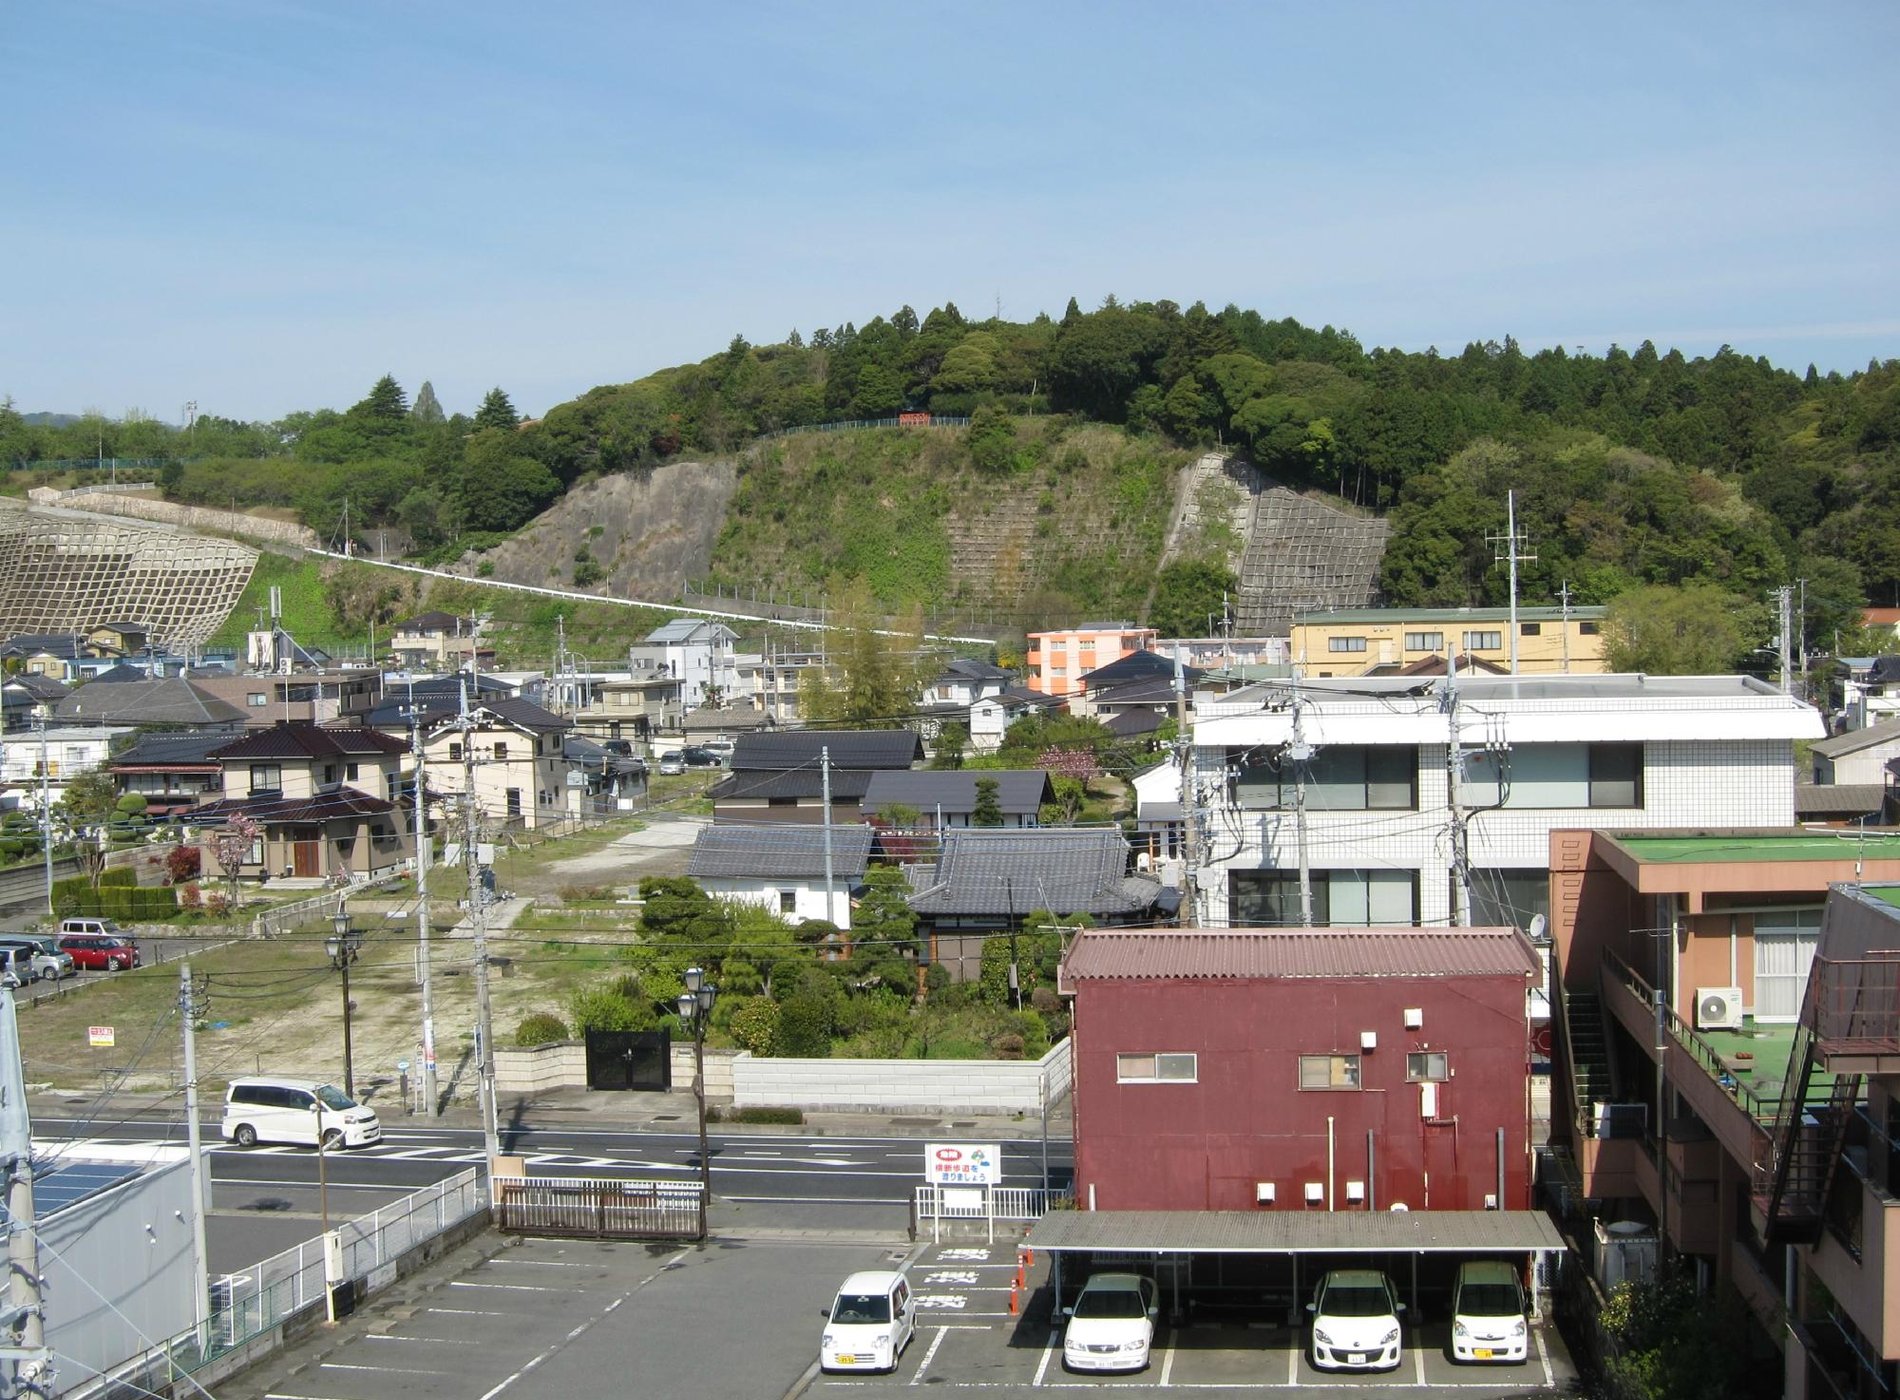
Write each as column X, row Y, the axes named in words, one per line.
column 561, row 1065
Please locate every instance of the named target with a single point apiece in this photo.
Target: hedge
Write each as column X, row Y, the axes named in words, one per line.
column 116, row 898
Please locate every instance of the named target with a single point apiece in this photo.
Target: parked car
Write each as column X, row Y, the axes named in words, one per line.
column 721, row 747
column 100, row 951
column 1488, row 1321
column 1112, row 1325
column 672, row 764
column 16, row 967
column 261, row 1108
column 47, row 965
column 619, row 748
column 699, row 756
column 868, row 1324
column 1356, row 1322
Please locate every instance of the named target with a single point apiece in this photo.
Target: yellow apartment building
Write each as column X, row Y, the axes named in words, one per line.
column 1356, row 641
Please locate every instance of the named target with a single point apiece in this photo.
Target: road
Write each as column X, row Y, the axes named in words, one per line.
column 267, row 1198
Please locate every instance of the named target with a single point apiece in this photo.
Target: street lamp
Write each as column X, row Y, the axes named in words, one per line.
column 695, row 1008
column 342, row 946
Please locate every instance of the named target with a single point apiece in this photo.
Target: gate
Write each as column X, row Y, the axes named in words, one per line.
column 629, row 1060
column 595, row 1209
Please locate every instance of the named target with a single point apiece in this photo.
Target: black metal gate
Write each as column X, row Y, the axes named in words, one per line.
column 629, row 1060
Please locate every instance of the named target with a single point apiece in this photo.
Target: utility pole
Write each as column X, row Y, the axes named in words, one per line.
column 1454, row 801
column 1298, row 753
column 1563, row 595
column 824, row 771
column 190, row 1008
column 424, row 853
column 26, row 1321
column 1784, row 606
column 46, row 818
column 478, row 917
column 1189, row 914
column 1505, row 550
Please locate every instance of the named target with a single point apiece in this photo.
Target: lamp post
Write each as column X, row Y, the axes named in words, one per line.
column 695, row 1008
column 342, row 947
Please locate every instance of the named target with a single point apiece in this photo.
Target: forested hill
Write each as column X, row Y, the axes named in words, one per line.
column 1632, row 467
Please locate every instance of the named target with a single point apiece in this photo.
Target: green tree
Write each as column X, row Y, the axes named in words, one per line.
column 91, row 798
column 386, row 402
column 427, row 409
column 1664, row 631
column 496, row 411
column 879, row 677
column 501, row 487
column 992, row 440
column 988, row 810
column 1188, row 593
column 953, row 742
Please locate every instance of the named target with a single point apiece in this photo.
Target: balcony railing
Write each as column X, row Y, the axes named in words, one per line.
column 1760, row 1107
column 1857, row 1004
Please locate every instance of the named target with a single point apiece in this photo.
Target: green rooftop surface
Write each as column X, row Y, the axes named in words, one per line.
column 1886, row 894
column 1794, row 845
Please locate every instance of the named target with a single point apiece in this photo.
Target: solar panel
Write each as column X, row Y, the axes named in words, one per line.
column 67, row 1183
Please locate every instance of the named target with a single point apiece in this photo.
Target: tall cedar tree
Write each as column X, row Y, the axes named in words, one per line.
column 496, row 411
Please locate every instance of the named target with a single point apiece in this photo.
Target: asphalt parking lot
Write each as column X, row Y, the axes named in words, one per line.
column 968, row 1337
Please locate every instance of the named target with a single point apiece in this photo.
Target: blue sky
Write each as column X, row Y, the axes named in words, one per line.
column 263, row 205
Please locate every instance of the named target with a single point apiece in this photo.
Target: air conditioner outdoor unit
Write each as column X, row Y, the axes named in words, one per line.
column 1718, row 1008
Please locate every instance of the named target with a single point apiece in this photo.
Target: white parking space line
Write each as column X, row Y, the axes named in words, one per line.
column 438, row 1341
column 510, row 1287
column 1537, row 1339
column 542, row 1263
column 387, row 1370
column 1293, row 1367
column 929, row 1354
column 1048, row 1355
column 1418, row 1358
column 1167, row 1365
column 468, row 1312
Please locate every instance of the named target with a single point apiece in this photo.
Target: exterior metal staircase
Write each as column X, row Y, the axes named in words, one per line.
column 1588, row 1053
column 1791, row 1185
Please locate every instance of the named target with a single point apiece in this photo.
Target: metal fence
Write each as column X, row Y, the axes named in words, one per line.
column 247, row 1305
column 933, row 1205
column 600, row 1209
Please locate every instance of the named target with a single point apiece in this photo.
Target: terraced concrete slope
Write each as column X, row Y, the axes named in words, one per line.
column 1304, row 554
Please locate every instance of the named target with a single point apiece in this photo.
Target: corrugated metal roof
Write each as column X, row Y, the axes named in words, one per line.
column 1296, row 1231
column 1854, row 740
column 1066, row 870
column 847, row 785
column 1019, row 791
column 1116, row 954
column 848, row 748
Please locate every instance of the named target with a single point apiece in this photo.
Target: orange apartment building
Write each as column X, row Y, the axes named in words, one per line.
column 1700, row 983
column 1057, row 661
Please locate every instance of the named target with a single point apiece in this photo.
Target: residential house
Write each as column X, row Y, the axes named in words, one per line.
column 1160, row 820
column 23, row 697
column 963, row 682
column 1727, row 1004
column 55, row 655
column 786, row 775
column 1056, row 661
column 1145, row 674
column 1365, row 1069
column 436, row 641
column 117, row 638
column 769, row 680
column 1225, row 653
column 173, row 772
column 991, row 716
column 608, row 779
column 697, row 652
column 520, row 764
column 1372, row 801
column 1857, row 756
column 948, row 798
column 1870, row 690
column 145, row 702
column 984, row 881
column 298, row 697
column 326, row 800
column 784, row 868
column 1349, row 641
column 40, row 762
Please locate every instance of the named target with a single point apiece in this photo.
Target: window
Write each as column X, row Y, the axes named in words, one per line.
column 329, row 773
column 1338, row 779
column 1530, row 629
column 350, row 772
column 1344, row 898
column 1484, row 641
column 267, row 777
column 455, row 753
column 1501, row 898
column 501, row 751
column 1345, row 644
column 1157, row 1068
column 1556, row 776
column 1588, row 629
column 257, row 699
column 1429, row 1064
column 788, row 901
column 514, row 802
column 1424, row 641
column 1329, row 1071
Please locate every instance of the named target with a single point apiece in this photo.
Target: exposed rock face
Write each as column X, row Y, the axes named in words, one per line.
column 648, row 532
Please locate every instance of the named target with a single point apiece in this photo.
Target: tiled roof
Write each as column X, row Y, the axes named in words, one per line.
column 273, row 811
column 1348, row 954
column 847, row 785
column 169, row 701
column 1138, row 665
column 432, row 622
column 191, row 749
column 1826, row 799
column 1130, row 723
column 779, row 852
column 40, row 688
column 1854, row 740
column 705, row 721
column 1068, row 870
column 310, row 741
column 61, row 644
column 525, row 714
column 1019, row 791
column 848, row 748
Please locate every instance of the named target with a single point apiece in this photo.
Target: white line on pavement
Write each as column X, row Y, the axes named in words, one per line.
column 929, row 1353
column 1048, row 1354
column 1418, row 1357
column 439, row 1341
column 510, row 1287
column 392, row 1370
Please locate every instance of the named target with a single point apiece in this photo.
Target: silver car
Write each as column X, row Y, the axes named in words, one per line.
column 38, row 963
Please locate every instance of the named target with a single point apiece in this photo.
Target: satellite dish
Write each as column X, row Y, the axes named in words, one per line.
column 1538, row 925
column 1400, row 1206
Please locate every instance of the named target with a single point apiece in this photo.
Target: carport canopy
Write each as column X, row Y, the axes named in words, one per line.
column 1295, row 1232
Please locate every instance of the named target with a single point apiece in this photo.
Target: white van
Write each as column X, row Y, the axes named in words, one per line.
column 264, row 1109
column 868, row 1324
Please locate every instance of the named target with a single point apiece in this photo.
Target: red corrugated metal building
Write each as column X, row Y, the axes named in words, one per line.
column 1301, row 1069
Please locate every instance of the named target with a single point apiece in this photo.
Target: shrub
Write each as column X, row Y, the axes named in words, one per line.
column 804, row 1025
column 183, row 863
column 606, row 1007
column 754, row 1025
column 191, row 896
column 762, row 1114
column 541, row 1028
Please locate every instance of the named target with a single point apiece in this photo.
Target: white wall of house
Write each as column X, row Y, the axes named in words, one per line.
column 66, row 754
column 530, row 783
column 805, row 896
column 1868, row 765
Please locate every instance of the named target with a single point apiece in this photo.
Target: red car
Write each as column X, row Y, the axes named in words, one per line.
column 100, row 952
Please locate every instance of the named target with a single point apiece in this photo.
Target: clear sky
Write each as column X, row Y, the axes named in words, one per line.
column 263, row 205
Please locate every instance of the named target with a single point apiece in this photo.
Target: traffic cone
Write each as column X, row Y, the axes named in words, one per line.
column 1012, row 1300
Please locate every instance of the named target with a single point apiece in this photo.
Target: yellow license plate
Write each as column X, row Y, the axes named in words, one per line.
column 1482, row 1353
